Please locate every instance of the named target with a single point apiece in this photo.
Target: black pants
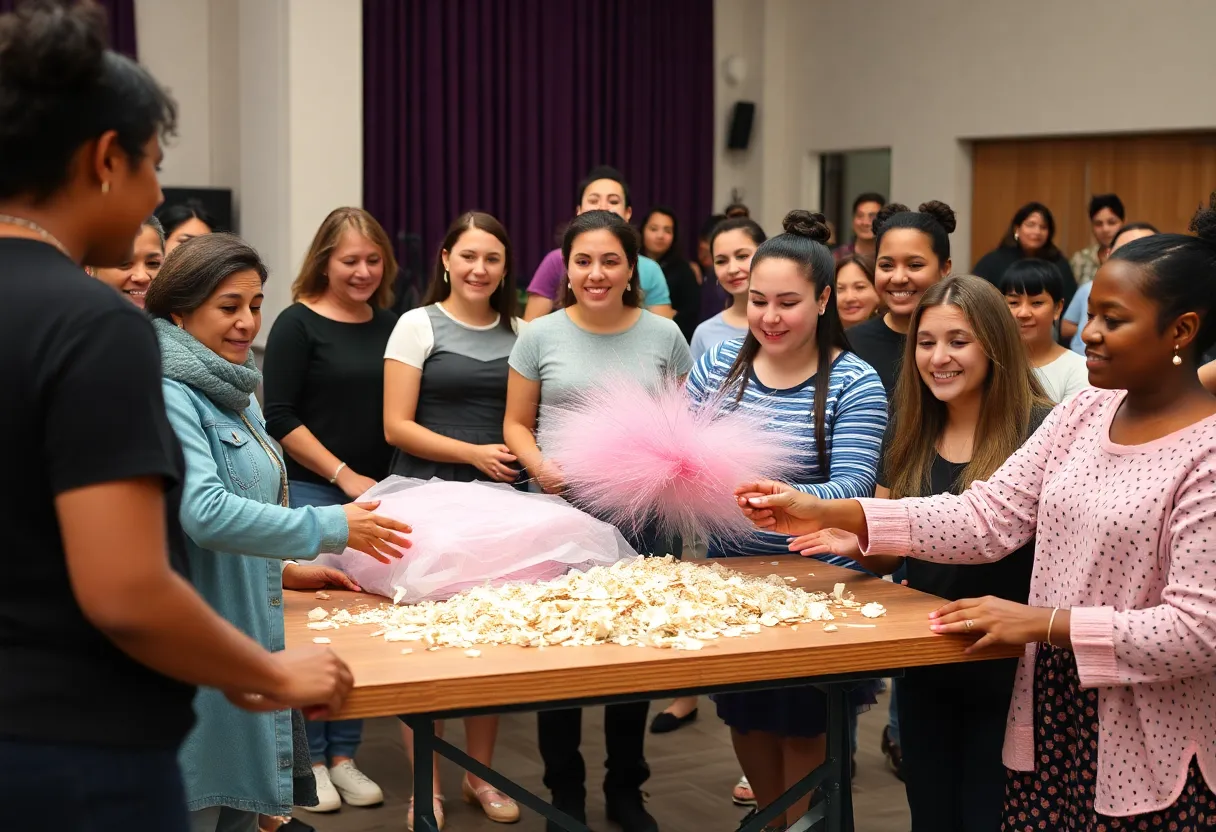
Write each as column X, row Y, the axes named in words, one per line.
column 561, row 733
column 951, row 729
column 89, row 789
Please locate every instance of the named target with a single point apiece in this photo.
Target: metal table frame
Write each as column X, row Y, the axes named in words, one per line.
column 834, row 806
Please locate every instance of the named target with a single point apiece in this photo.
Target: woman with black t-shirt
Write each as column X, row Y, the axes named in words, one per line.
column 101, row 636
column 966, row 399
column 661, row 243
column 324, row 388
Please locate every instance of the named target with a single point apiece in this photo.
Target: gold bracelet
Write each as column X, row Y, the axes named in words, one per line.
column 1050, row 623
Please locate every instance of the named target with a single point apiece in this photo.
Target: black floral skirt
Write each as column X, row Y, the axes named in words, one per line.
column 1059, row 794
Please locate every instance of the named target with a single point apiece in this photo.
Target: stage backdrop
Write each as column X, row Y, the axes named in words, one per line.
column 504, row 106
column 121, row 15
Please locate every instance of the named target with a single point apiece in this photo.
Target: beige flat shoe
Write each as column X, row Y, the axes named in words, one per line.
column 437, row 808
column 497, row 806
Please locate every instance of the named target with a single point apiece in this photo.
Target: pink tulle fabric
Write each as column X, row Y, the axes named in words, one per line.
column 636, row 456
column 468, row 534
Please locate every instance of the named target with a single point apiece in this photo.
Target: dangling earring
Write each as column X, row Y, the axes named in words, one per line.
column 105, row 188
column 1015, row 237
column 629, row 286
column 446, row 279
column 1177, row 359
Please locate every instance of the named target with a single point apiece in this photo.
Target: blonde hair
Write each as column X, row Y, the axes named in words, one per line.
column 1010, row 391
column 312, row 282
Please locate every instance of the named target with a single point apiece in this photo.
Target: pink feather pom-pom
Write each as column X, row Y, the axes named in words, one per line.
column 634, row 456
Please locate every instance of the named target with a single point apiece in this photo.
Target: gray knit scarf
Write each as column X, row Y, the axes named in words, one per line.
column 185, row 359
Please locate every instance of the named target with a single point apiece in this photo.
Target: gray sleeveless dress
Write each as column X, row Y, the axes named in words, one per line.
column 463, row 394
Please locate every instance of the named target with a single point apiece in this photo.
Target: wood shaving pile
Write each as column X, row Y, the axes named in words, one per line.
column 655, row 602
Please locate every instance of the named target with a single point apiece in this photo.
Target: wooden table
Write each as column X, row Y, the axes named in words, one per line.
column 425, row 686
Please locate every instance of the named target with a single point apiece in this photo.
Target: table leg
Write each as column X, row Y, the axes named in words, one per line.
column 424, row 794
column 838, row 792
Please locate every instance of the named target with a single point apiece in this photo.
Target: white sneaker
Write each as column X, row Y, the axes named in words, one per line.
column 356, row 788
column 327, row 795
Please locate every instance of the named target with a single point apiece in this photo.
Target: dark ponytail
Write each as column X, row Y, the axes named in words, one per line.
column 804, row 243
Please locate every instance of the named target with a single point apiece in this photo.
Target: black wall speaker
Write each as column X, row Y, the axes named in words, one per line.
column 740, row 133
column 215, row 201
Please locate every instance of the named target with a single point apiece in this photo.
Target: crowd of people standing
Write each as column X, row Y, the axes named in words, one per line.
column 945, row 435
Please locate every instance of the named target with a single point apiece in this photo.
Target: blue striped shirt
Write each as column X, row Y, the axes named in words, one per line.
column 854, row 421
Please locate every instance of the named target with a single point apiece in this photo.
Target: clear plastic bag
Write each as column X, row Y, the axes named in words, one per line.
column 470, row 533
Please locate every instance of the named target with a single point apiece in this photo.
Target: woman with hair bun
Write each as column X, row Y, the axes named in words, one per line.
column 1113, row 720
column 794, row 365
column 102, row 638
column 913, row 250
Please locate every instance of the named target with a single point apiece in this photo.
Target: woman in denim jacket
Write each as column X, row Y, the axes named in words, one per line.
column 240, row 535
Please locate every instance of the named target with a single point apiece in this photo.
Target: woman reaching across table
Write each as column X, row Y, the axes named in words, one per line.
column 1113, row 720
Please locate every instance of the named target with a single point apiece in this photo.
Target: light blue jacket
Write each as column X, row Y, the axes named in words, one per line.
column 237, row 536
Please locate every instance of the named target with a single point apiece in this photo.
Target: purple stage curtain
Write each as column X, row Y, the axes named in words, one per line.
column 504, row 106
column 121, row 17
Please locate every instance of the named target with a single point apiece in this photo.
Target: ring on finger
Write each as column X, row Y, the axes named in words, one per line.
column 969, row 624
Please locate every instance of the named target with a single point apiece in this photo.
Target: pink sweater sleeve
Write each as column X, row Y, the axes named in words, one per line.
column 985, row 523
column 1175, row 639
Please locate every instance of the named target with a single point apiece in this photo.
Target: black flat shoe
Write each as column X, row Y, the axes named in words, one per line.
column 628, row 811
column 665, row 723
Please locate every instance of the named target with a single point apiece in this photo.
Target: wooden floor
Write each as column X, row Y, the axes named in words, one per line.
column 693, row 772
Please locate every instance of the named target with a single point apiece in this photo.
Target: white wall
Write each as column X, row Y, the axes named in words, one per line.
column 925, row 77
column 270, row 105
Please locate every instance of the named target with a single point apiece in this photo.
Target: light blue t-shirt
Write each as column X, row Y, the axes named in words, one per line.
column 1077, row 313
column 711, row 332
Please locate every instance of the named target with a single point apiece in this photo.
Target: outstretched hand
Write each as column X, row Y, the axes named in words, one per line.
column 780, row 508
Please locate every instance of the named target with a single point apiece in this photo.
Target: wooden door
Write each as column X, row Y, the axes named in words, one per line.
column 1161, row 179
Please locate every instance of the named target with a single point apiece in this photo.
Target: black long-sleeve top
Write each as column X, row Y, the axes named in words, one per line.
column 329, row 376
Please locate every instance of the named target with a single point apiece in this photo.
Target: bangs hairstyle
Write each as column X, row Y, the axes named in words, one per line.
column 804, row 243
column 1032, row 276
column 1049, row 250
column 1009, row 392
column 503, row 300
column 1180, row 274
column 625, row 234
column 61, row 88
column 1111, row 201
column 311, row 282
column 195, row 269
column 934, row 219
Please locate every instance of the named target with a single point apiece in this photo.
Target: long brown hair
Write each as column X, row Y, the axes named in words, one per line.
column 311, row 282
column 503, row 300
column 1009, row 392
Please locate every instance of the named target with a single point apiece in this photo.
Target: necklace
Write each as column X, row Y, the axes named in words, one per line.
column 47, row 237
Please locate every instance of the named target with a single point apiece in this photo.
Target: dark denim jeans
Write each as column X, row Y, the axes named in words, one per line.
column 341, row 737
column 89, row 789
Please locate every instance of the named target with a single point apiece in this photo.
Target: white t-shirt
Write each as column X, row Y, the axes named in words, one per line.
column 1064, row 377
column 413, row 339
